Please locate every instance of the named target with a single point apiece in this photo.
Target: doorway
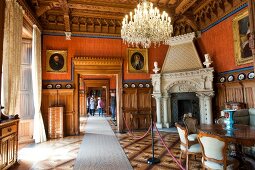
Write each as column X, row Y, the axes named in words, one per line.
column 96, row 87
column 98, row 66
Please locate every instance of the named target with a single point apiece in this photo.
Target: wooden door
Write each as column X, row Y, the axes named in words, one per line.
column 137, row 107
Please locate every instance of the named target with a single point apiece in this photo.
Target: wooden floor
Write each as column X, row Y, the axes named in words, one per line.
column 61, row 153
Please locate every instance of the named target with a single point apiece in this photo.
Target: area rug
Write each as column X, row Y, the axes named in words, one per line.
column 100, row 149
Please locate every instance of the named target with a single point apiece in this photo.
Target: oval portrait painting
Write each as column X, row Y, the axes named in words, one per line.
column 137, row 61
column 56, row 61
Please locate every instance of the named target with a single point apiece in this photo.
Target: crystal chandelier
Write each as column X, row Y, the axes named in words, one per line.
column 146, row 26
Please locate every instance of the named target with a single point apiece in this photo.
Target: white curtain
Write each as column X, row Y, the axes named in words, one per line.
column 39, row 131
column 11, row 56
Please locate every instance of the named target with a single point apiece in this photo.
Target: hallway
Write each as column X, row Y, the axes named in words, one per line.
column 100, row 148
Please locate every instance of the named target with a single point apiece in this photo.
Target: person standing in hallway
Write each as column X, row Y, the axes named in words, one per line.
column 113, row 105
column 88, row 104
column 92, row 106
column 100, row 106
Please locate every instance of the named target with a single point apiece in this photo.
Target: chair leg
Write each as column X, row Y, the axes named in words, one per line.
column 187, row 161
column 180, row 156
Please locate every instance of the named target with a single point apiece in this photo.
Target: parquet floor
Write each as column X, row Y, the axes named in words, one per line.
column 62, row 153
column 138, row 151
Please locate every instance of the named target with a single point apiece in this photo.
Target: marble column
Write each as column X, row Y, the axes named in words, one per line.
column 205, row 103
column 158, row 111
column 208, row 101
column 202, row 107
column 165, row 107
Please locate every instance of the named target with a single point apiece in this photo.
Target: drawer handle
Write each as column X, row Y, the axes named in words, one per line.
column 9, row 129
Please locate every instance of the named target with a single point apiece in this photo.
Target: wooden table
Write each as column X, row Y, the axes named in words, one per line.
column 242, row 134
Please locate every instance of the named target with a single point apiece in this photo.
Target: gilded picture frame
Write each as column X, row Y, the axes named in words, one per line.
column 241, row 32
column 56, row 61
column 137, row 60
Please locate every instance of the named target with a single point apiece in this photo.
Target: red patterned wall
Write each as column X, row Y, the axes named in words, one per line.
column 83, row 46
column 219, row 43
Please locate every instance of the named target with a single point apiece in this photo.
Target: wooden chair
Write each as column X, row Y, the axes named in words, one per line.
column 191, row 125
column 187, row 147
column 214, row 152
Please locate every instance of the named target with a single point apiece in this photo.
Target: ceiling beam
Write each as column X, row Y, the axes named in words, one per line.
column 65, row 7
column 184, row 6
column 99, row 8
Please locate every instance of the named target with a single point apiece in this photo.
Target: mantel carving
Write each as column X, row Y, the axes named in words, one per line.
column 189, row 81
column 181, row 39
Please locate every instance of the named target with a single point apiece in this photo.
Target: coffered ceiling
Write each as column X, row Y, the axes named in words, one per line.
column 104, row 17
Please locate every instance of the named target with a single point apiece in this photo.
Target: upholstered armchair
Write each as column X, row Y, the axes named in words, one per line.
column 187, row 147
column 214, row 152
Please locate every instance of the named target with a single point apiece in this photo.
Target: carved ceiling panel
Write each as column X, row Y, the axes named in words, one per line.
column 105, row 16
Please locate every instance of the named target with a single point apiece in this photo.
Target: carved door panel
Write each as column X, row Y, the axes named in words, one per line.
column 144, row 99
column 65, row 99
column 129, row 99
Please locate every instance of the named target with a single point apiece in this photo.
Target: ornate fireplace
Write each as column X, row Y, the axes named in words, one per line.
column 183, row 84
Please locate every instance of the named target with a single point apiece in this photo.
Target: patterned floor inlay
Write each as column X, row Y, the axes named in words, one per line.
column 138, row 151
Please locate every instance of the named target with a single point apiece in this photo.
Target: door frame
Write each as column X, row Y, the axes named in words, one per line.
column 98, row 66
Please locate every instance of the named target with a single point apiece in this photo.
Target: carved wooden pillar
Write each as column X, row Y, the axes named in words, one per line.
column 2, row 10
column 251, row 7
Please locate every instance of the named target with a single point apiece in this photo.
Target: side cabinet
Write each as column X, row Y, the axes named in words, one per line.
column 8, row 143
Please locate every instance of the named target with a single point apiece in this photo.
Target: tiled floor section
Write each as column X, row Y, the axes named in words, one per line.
column 138, row 151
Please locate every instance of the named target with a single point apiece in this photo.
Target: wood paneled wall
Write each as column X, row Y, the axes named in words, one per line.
column 243, row 91
column 59, row 97
column 137, row 107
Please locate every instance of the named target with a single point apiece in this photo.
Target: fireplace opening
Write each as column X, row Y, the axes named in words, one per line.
column 184, row 106
column 183, row 103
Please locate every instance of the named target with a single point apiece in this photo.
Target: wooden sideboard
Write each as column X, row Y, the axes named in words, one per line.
column 8, row 143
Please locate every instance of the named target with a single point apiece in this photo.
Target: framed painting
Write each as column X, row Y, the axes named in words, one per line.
column 56, row 61
column 137, row 60
column 243, row 53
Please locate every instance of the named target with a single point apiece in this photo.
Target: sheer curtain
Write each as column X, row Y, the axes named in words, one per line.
column 11, row 56
column 39, row 131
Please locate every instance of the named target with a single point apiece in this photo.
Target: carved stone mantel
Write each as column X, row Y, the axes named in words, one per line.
column 199, row 81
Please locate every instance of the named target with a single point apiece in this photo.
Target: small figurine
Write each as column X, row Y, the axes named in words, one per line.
column 208, row 61
column 156, row 69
